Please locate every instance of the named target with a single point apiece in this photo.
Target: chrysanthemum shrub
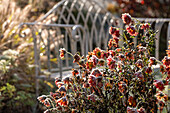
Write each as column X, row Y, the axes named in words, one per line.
column 117, row 80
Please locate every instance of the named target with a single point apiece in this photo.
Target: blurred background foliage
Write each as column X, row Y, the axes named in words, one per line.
column 141, row 8
column 17, row 83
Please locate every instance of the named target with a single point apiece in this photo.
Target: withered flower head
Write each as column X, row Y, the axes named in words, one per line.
column 76, row 58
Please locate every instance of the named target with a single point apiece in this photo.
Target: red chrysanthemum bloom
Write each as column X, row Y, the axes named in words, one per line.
column 122, row 87
column 126, row 18
column 141, row 110
column 111, row 62
column 148, row 70
column 76, row 58
column 101, row 62
column 114, row 31
column 81, row 63
column 62, row 101
column 62, row 90
column 132, row 101
column 92, row 80
column 97, row 52
column 152, row 61
column 162, row 69
column 145, row 26
column 62, row 52
column 89, row 55
column 104, row 54
column 55, row 95
column 115, row 40
column 110, row 43
column 159, row 84
column 95, row 60
column 161, row 96
column 131, row 30
column 139, row 63
column 59, row 84
column 168, row 70
column 75, row 72
column 166, row 61
column 112, row 53
column 66, row 80
column 131, row 110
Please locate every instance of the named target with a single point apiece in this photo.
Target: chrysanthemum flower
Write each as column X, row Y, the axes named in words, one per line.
column 59, row 84
column 126, row 18
column 152, row 61
column 75, row 72
column 76, row 58
column 131, row 30
column 92, row 80
column 111, row 62
column 66, row 80
column 97, row 52
column 104, row 54
column 112, row 53
column 148, row 70
column 101, row 62
column 145, row 26
column 62, row 101
column 159, row 84
column 166, row 61
column 139, row 63
column 89, row 64
column 110, row 43
column 95, row 60
column 114, row 31
column 161, row 96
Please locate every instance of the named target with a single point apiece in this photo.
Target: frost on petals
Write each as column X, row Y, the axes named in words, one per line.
column 126, row 18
